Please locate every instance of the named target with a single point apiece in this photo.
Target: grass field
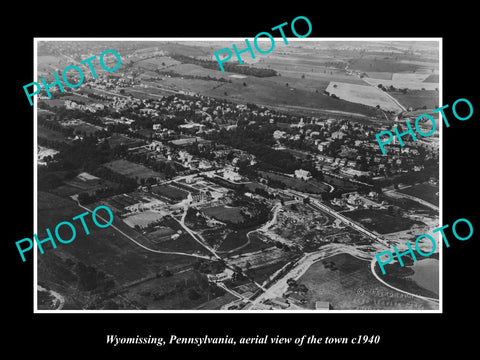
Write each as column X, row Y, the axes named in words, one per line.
column 380, row 221
column 170, row 192
column 224, row 213
column 311, row 186
column 348, row 284
column 76, row 185
column 411, row 81
column 132, row 170
column 425, row 192
column 234, row 240
column 362, row 94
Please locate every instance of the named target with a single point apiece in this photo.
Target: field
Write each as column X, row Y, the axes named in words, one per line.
column 417, row 99
column 348, row 284
column 132, row 170
column 183, row 290
column 234, row 240
column 390, row 65
column 120, row 139
column 343, row 185
column 411, row 81
column 380, row 221
column 143, row 219
column 78, row 185
column 170, row 192
column 224, row 213
column 85, row 128
column 362, row 94
column 425, row 192
column 311, row 186
column 51, row 135
column 105, row 251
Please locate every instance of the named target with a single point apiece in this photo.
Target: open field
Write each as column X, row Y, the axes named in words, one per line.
column 411, row 81
column 362, row 94
column 51, row 135
column 311, row 186
column 380, row 221
column 77, row 185
column 417, row 99
column 224, row 213
column 425, row 192
column 348, row 284
column 183, row 290
column 132, row 170
column 106, row 251
column 144, row 218
column 234, row 240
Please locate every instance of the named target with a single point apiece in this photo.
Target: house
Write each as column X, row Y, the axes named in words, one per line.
column 303, row 174
column 232, row 176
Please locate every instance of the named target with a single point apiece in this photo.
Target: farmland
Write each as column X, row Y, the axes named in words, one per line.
column 362, row 94
column 411, row 81
column 417, row 99
column 51, row 135
column 132, row 170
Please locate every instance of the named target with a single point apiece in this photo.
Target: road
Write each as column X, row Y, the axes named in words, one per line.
column 303, row 264
column 141, row 245
column 372, row 267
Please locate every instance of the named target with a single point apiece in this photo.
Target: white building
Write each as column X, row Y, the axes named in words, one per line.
column 303, row 174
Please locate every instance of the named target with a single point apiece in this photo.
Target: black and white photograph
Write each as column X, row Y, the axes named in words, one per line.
column 259, row 188
column 261, row 180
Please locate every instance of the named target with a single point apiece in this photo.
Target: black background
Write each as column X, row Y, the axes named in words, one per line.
column 407, row 334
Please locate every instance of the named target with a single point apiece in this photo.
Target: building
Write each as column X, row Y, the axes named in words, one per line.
column 232, row 176
column 303, row 174
column 322, row 305
column 225, row 275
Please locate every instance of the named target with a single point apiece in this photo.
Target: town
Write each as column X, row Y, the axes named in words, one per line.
column 220, row 203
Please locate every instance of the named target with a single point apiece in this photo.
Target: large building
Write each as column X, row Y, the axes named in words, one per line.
column 303, row 174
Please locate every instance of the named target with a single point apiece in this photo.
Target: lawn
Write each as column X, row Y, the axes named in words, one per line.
column 348, row 284
column 132, row 170
column 380, row 221
column 425, row 192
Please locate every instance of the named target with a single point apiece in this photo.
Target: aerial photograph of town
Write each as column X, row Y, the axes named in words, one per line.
column 257, row 188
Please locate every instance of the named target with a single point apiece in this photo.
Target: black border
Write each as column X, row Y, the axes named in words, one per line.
column 55, row 334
